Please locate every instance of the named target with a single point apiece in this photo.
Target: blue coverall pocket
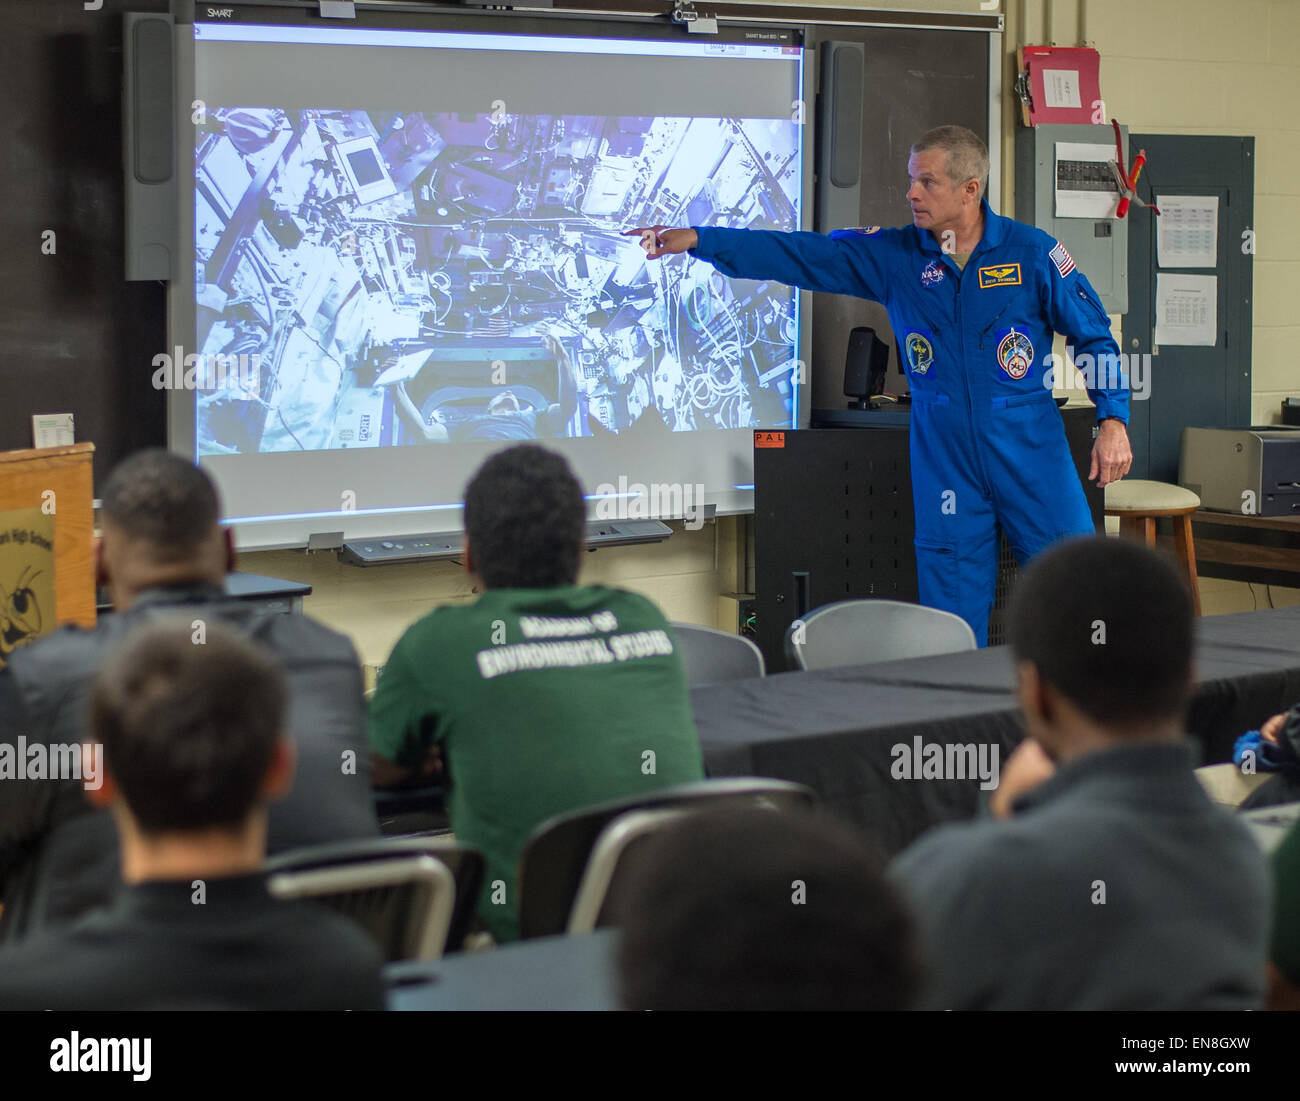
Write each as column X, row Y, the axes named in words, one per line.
column 1096, row 308
column 1031, row 427
column 1014, row 401
column 928, row 397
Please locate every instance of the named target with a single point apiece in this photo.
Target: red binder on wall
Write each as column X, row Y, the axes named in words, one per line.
column 1060, row 84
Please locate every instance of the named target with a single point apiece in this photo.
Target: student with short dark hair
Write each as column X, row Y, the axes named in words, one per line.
column 542, row 695
column 163, row 551
column 1110, row 880
column 754, row 909
column 193, row 751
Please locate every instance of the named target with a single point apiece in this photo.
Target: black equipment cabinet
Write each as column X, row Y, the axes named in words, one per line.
column 833, row 521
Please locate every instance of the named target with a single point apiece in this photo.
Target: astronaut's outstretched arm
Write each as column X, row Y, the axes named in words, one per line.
column 856, row 264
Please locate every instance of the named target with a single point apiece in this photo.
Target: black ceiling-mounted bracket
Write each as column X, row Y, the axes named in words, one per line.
column 695, row 22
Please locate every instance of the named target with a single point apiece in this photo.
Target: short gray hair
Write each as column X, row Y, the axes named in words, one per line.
column 968, row 156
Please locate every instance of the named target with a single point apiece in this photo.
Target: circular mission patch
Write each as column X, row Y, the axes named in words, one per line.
column 1015, row 354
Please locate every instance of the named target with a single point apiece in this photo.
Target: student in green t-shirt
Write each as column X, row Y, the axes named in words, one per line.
column 541, row 696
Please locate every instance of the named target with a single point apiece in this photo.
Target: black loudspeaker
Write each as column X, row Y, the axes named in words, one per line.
column 865, row 367
column 149, row 146
column 839, row 145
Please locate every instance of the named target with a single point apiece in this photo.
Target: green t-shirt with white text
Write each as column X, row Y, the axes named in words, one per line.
column 543, row 701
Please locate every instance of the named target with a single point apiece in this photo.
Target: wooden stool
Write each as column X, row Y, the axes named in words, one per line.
column 1138, row 504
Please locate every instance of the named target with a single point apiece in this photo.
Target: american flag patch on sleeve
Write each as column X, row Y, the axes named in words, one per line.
column 1062, row 259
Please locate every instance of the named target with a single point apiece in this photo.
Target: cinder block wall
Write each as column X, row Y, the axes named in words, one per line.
column 374, row 605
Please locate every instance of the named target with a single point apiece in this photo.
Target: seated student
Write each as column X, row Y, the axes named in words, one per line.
column 163, row 550
column 1115, row 883
column 192, row 750
column 542, row 695
column 752, row 909
column 1279, row 744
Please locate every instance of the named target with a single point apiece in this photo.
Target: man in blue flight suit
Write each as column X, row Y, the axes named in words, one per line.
column 988, row 445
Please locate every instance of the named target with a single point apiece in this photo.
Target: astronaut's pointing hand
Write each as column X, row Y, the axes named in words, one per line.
column 661, row 241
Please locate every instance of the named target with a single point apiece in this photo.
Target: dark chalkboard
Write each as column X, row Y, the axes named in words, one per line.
column 74, row 335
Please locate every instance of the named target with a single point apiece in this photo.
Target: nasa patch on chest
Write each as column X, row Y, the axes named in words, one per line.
column 932, row 274
column 1015, row 354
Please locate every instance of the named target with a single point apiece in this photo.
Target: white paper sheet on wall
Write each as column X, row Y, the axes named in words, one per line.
column 1061, row 88
column 1187, row 231
column 1187, row 309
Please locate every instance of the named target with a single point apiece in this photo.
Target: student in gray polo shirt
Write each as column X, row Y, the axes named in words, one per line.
column 1106, row 879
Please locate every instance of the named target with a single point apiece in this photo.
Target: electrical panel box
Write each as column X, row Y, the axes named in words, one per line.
column 1066, row 186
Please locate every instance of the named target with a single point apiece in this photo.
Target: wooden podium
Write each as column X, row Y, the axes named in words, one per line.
column 59, row 481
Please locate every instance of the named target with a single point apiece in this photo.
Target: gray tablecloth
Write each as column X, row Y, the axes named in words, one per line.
column 837, row 730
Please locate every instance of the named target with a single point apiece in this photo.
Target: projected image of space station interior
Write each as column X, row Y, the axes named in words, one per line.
column 405, row 277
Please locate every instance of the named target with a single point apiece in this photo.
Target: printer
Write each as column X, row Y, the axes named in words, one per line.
column 1253, row 471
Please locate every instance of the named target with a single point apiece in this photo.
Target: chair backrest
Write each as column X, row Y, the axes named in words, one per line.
column 713, row 656
column 465, row 863
column 859, row 632
column 555, row 857
column 405, row 903
column 615, row 849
